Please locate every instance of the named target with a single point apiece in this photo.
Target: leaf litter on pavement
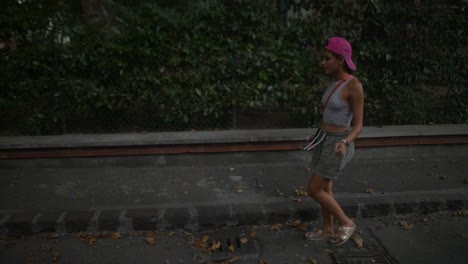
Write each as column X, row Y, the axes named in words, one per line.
column 406, row 225
column 300, row 192
column 91, row 238
column 276, row 227
column 150, row 240
column 209, row 245
column 244, row 240
column 358, row 241
column 253, row 234
column 56, row 256
column 298, row 224
column 312, row 260
column 206, row 245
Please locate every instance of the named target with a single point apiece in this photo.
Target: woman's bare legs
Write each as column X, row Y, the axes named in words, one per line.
column 320, row 189
column 327, row 216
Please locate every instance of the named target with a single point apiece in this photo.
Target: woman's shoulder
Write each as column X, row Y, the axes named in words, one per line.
column 354, row 87
column 354, row 84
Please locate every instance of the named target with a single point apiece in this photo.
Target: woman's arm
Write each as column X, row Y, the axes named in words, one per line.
column 356, row 100
column 357, row 106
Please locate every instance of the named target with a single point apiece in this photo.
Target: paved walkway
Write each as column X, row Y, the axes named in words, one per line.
column 430, row 239
column 90, row 145
column 216, row 187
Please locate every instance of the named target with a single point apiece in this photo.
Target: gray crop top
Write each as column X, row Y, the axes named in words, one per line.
column 338, row 112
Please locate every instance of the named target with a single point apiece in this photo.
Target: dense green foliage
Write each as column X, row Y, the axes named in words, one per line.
column 161, row 68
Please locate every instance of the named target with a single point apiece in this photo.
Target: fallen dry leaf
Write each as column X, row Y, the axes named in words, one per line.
column 46, row 248
column 406, row 225
column 244, row 240
column 312, row 260
column 102, row 234
column 80, row 235
column 90, row 241
column 88, row 238
column 215, row 246
column 300, row 192
column 460, row 213
column 115, row 235
column 232, row 248
column 303, row 227
column 150, row 240
column 200, row 245
column 231, row 260
column 204, row 244
column 56, row 256
column 253, row 234
column 53, row 236
column 295, row 223
column 358, row 241
column 140, row 233
column 298, row 224
column 276, row 227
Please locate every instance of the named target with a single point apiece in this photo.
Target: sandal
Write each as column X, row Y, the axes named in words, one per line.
column 343, row 234
column 317, row 235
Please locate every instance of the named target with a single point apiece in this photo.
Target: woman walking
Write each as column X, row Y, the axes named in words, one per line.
column 333, row 147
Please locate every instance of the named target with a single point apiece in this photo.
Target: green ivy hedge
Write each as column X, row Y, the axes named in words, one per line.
column 166, row 68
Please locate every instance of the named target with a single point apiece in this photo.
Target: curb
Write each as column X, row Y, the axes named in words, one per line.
column 205, row 216
column 104, row 145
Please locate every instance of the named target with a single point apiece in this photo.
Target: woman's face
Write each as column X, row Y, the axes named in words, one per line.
column 330, row 63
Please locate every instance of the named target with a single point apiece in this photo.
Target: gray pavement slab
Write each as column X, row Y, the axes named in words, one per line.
column 71, row 249
column 431, row 238
column 25, row 186
column 203, row 137
column 204, row 190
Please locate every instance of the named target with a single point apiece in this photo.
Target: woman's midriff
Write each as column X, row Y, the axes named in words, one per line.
column 334, row 128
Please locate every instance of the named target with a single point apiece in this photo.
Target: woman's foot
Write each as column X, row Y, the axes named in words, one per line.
column 318, row 234
column 343, row 234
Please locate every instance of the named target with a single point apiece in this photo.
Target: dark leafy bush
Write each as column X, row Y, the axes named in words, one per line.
column 212, row 63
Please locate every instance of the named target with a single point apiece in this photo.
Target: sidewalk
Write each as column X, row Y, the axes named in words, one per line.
column 91, row 145
column 215, row 179
column 430, row 239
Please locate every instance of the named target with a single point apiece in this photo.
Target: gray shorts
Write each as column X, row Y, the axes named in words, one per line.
column 325, row 162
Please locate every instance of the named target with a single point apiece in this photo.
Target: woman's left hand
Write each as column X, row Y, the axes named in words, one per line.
column 340, row 149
